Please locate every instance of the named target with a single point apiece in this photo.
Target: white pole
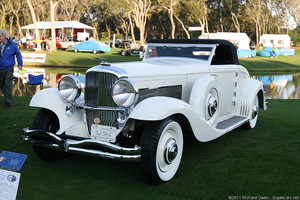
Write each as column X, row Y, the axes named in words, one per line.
column 113, row 46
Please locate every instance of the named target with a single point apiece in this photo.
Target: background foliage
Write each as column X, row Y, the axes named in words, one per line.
column 163, row 18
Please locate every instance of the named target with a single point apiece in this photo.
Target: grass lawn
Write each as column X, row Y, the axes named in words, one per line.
column 261, row 162
column 69, row 61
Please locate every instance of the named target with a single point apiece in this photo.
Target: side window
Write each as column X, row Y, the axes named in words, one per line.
column 222, row 55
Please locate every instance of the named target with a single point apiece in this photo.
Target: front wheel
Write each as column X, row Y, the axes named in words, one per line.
column 46, row 120
column 162, row 147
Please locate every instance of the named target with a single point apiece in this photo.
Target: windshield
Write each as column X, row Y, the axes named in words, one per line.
column 169, row 50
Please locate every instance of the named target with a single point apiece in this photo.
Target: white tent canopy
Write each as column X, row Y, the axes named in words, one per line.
column 241, row 40
column 58, row 24
column 46, row 25
column 280, row 40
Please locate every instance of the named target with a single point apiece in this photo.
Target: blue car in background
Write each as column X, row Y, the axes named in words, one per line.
column 90, row 45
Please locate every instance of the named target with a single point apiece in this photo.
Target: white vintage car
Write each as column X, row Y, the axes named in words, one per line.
column 141, row 111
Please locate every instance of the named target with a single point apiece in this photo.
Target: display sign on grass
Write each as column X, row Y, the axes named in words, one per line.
column 10, row 162
column 34, row 57
column 9, row 183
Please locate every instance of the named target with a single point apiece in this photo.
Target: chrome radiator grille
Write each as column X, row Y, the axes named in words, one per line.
column 98, row 94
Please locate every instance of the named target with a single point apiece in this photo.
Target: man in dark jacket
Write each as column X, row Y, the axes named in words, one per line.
column 8, row 51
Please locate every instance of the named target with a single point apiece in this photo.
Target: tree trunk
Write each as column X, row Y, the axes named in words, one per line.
column 206, row 22
column 185, row 30
column 53, row 41
column 11, row 20
column 236, row 22
column 131, row 27
column 221, row 16
column 37, row 34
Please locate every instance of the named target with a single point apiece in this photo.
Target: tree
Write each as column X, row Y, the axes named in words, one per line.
column 91, row 14
column 293, row 6
column 4, row 11
column 67, row 10
column 255, row 10
column 15, row 7
column 277, row 7
column 295, row 37
column 37, row 34
column 234, row 11
column 168, row 4
column 140, row 11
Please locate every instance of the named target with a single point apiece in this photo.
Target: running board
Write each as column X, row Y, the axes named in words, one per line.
column 231, row 123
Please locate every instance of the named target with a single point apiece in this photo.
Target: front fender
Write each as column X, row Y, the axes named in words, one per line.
column 159, row 108
column 50, row 99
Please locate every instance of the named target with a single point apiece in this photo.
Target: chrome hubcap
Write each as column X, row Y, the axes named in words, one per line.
column 254, row 111
column 212, row 106
column 170, row 151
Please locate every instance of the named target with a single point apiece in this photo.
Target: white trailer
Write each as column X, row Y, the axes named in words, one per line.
column 280, row 40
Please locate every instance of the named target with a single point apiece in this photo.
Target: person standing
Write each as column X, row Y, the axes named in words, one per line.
column 24, row 43
column 8, row 51
column 274, row 51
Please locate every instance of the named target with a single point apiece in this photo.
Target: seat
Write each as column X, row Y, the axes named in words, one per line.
column 34, row 84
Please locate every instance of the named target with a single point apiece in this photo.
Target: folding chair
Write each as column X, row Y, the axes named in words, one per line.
column 34, row 84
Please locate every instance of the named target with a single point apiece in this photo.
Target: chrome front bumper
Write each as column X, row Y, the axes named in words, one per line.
column 83, row 146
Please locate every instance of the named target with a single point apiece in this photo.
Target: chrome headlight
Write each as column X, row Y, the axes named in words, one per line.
column 125, row 93
column 69, row 88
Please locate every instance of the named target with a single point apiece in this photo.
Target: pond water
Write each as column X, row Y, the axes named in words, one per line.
column 281, row 86
column 276, row 86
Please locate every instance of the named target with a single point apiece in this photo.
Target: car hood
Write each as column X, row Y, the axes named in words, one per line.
column 157, row 68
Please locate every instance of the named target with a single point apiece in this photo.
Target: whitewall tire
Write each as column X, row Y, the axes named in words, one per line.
column 162, row 148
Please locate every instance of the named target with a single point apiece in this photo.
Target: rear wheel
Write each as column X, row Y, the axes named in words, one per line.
column 46, row 120
column 162, row 147
column 252, row 123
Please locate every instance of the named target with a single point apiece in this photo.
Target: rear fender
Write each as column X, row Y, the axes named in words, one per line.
column 201, row 90
column 246, row 91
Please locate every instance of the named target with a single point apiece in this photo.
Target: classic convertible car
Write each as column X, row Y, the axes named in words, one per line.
column 141, row 111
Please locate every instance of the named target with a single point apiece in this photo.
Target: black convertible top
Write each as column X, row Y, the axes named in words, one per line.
column 224, row 49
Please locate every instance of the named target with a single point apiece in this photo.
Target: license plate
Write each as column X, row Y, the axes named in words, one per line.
column 103, row 133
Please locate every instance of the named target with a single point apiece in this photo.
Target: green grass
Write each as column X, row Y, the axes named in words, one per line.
column 71, row 59
column 71, row 62
column 261, row 162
